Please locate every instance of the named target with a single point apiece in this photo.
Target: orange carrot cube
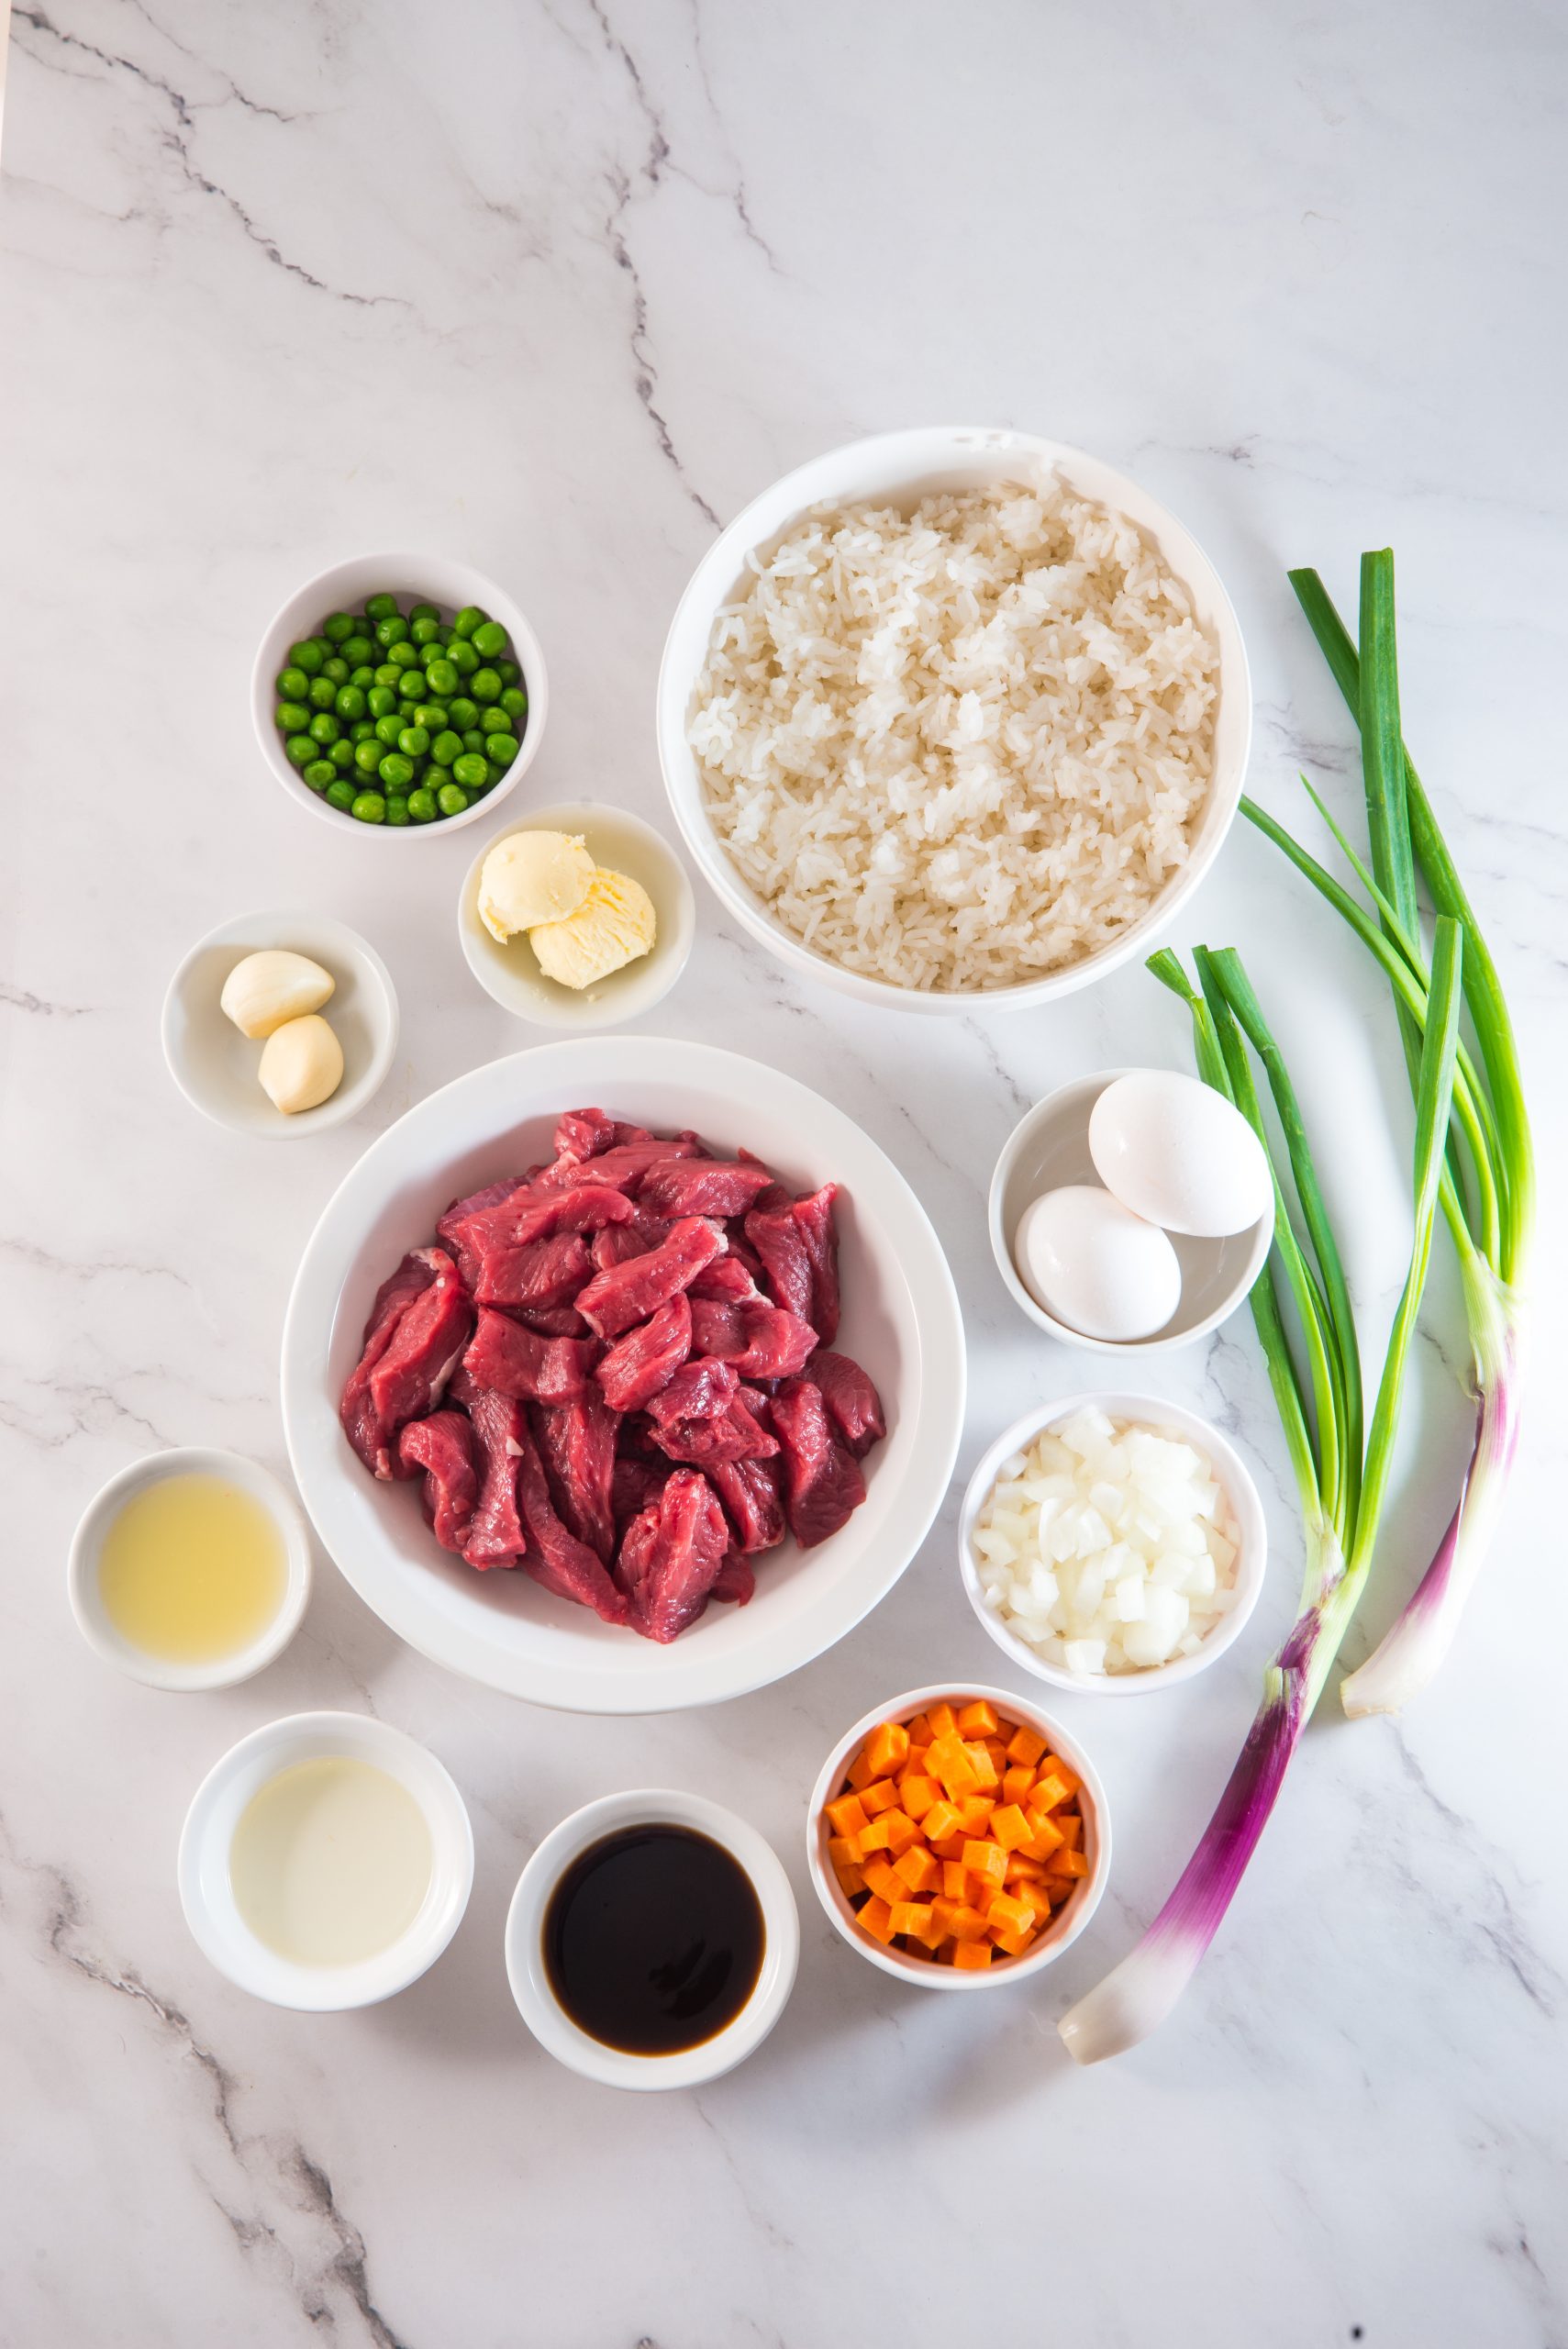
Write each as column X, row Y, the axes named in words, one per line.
column 1048, row 1792
column 942, row 1820
column 886, row 1747
column 1012, row 1916
column 1068, row 1862
column 972, row 1957
column 1010, row 1827
column 876, row 1837
column 1021, row 1869
column 1011, row 1944
column 987, row 1774
column 851, row 1881
column 942, row 1720
column 978, row 1720
column 985, row 1859
column 877, row 1919
column 975, row 1812
column 881, row 1794
column 1025, row 1745
column 1070, row 1827
column 901, row 1831
column 861, row 1773
column 883, row 1878
column 951, row 1764
column 943, row 1911
column 843, row 1850
column 920, row 1729
column 848, row 1815
column 955, row 1880
column 1016, row 1780
column 910, row 1916
column 951, row 1847
column 1045, row 1833
column 919, row 1869
column 966, row 1925
column 919, row 1795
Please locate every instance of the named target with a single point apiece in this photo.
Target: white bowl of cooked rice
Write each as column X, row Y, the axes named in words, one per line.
column 954, row 714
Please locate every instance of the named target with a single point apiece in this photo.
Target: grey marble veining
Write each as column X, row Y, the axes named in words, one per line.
column 557, row 287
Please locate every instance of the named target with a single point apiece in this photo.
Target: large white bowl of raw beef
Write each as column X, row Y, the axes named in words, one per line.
column 623, row 1374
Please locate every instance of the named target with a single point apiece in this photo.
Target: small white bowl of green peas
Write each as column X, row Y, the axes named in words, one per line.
column 399, row 695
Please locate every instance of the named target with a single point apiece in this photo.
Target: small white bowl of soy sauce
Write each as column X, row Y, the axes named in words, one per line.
column 652, row 1940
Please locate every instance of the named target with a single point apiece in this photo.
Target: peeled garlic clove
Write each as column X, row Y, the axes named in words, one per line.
column 265, row 989
column 302, row 1065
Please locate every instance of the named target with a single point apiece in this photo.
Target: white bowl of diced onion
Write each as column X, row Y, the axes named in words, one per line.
column 1112, row 1543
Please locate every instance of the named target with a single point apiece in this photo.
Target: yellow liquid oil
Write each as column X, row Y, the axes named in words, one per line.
column 330, row 1860
column 192, row 1570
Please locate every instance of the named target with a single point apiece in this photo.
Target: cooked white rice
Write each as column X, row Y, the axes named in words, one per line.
column 964, row 745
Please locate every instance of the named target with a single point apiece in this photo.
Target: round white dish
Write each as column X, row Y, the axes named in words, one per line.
column 1062, row 1930
column 1049, row 1147
column 529, row 1978
column 206, row 1894
column 904, row 466
column 901, row 1321
column 1233, row 1475
column 429, row 578
column 86, row 1547
column 623, row 843
column 217, row 1068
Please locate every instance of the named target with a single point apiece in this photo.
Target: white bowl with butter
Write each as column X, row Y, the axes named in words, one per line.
column 509, row 969
column 218, row 1067
column 326, row 1861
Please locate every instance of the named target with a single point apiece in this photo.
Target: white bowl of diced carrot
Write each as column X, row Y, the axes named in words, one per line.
column 959, row 1836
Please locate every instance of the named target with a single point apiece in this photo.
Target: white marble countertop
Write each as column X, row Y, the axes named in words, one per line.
column 555, row 287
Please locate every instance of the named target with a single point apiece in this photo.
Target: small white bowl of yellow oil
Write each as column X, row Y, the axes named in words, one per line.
column 190, row 1570
column 326, row 1861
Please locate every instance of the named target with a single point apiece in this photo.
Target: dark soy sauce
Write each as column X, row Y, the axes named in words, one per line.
column 653, row 1939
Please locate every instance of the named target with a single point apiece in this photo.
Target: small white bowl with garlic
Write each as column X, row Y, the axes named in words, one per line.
column 1112, row 1543
column 224, row 1072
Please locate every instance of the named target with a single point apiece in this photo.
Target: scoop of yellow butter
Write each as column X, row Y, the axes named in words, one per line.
column 614, row 925
column 532, row 877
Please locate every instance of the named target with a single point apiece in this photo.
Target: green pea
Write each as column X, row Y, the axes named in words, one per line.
column 411, row 686
column 462, row 656
column 342, row 754
column 324, row 728
column 323, row 693
column 514, row 702
column 299, row 749
column 336, row 627
column 431, row 717
column 368, row 808
column 468, row 619
column 381, row 699
column 292, row 718
column 368, row 756
column 364, row 676
column 362, row 730
column 493, row 721
column 452, row 799
column 397, row 811
column 306, row 655
column 350, row 702
column 396, row 771
column 342, row 794
column 293, row 684
column 431, row 650
column 391, row 630
column 413, row 741
column 446, row 748
column 318, row 773
column 421, row 805
column 490, row 640
column 508, row 672
column 502, row 748
column 442, row 678
column 462, row 712
column 423, row 630
column 424, row 612
column 388, row 674
column 358, row 649
column 401, row 656
column 472, row 740
column 387, row 728
column 336, row 669
column 381, row 608
column 471, row 771
column 485, row 685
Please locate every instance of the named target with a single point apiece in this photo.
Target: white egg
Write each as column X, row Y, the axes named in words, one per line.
column 1178, row 1153
column 1103, row 1271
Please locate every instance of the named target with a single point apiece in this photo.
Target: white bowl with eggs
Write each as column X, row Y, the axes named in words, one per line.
column 1141, row 1261
column 412, row 578
column 1243, row 1520
column 276, row 1934
column 508, row 970
column 898, row 468
column 216, row 1066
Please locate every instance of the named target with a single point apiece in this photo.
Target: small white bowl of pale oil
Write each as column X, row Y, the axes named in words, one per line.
column 190, row 1570
column 326, row 1861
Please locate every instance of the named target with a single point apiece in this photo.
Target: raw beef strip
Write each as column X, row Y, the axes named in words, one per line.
column 814, row 1219
column 553, row 1320
column 442, row 1446
column 735, row 1581
column 749, row 1491
column 612, row 1301
column 412, row 1345
column 760, row 1341
column 525, row 1215
column 853, row 1404
column 733, row 1433
column 729, row 1279
column 721, row 1186
column 578, row 1445
column 622, row 1167
column 535, row 1370
column 557, row 1559
column 799, row 1248
column 635, row 1483
column 541, row 1274
column 699, row 1390
column 670, row 1555
column 823, row 1485
column 776, row 1235
column 618, row 1245
column 642, row 1361
column 475, row 1204
column 585, row 1133
column 495, row 1537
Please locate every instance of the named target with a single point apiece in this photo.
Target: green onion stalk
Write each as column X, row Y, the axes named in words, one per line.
column 1341, row 1457
column 1487, row 1187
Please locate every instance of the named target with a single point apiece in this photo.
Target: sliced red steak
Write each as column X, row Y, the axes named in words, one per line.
column 636, row 1482
column 541, row 1274
column 814, row 1220
column 613, row 1300
column 495, row 1537
column 749, row 1491
column 733, row 1433
column 760, row 1340
column 823, row 1485
column 585, row 1133
column 729, row 1279
column 638, row 1364
column 517, row 1363
column 526, row 1215
column 622, row 1166
column 551, row 1320
column 776, row 1235
column 698, row 1390
column 670, row 1556
column 853, row 1404
column 735, row 1581
column 557, row 1559
column 413, row 1344
column 476, row 1203
column 442, row 1446
column 396, row 1294
column 677, row 1186
column 577, row 1441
